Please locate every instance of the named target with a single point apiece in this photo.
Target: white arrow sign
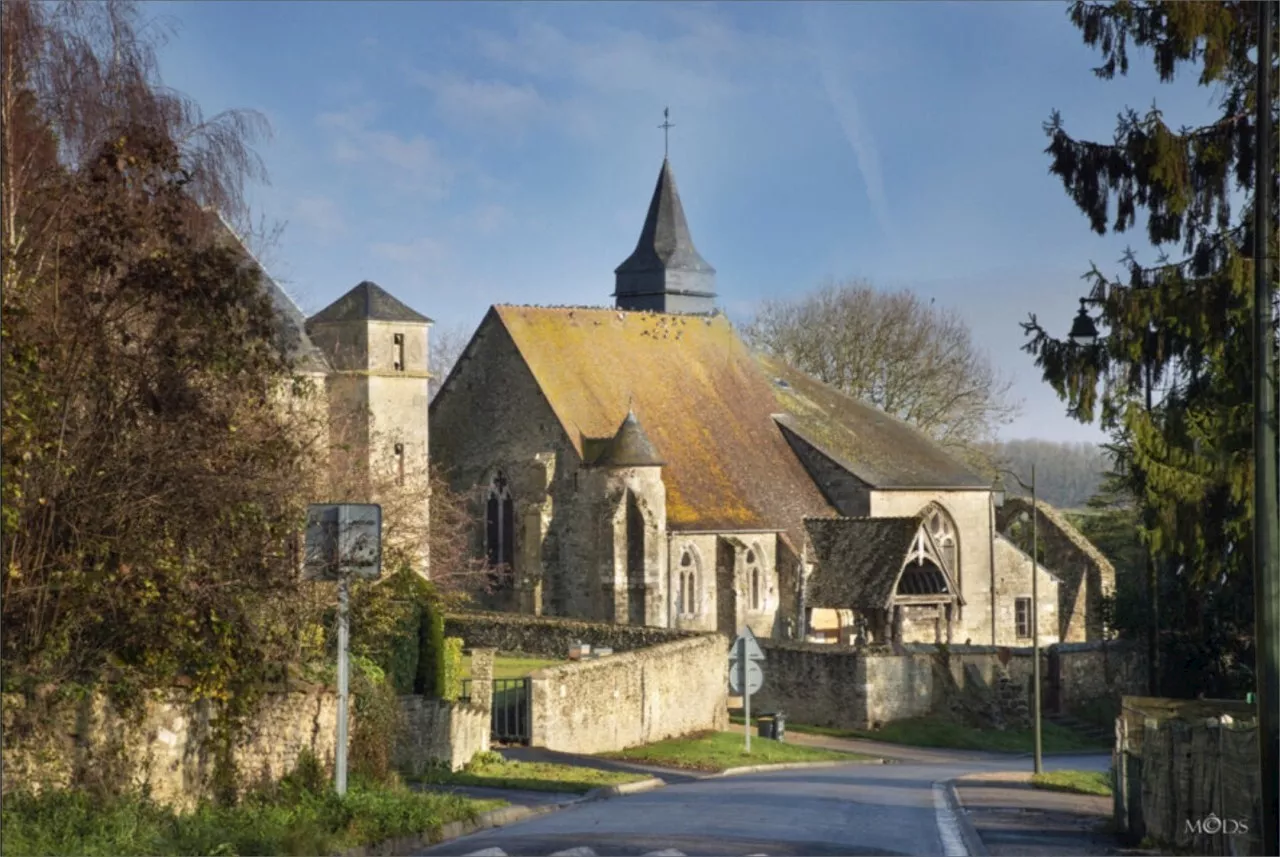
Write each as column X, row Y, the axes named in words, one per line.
column 755, row 677
column 746, row 647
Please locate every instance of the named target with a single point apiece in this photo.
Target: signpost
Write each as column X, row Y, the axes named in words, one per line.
column 745, row 674
column 343, row 540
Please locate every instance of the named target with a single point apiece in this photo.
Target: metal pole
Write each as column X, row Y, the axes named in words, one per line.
column 1266, row 547
column 746, row 691
column 340, row 755
column 1035, row 622
column 1153, row 568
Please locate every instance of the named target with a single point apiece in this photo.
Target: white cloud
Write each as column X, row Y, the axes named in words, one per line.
column 416, row 160
column 483, row 103
column 422, row 251
column 320, row 213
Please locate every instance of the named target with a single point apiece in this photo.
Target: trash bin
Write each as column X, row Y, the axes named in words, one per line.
column 766, row 726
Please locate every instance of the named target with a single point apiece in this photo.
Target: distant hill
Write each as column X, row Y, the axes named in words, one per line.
column 1067, row 474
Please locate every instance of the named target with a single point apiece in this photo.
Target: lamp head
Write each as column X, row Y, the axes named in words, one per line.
column 1083, row 330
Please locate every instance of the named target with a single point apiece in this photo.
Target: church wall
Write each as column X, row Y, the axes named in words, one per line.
column 971, row 511
column 492, row 416
column 1013, row 581
column 703, row 548
column 630, row 601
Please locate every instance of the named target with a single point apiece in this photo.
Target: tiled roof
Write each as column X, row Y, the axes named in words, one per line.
column 879, row 449
column 291, row 329
column 694, row 386
column 665, row 242
column 368, row 302
column 858, row 560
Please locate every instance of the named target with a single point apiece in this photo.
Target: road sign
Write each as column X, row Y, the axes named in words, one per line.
column 343, row 540
column 755, row 677
column 747, row 647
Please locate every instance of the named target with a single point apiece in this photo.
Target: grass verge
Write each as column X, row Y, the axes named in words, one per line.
column 513, row 666
column 719, row 751
column 292, row 821
column 945, row 734
column 1080, row 782
column 492, row 771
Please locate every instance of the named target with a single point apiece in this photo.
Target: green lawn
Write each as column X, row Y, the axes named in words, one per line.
column 718, row 751
column 1080, row 782
column 513, row 666
column 294, row 822
column 532, row 776
column 942, row 733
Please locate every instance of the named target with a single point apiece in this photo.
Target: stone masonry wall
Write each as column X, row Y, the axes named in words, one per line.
column 552, row 636
column 164, row 747
column 848, row 688
column 437, row 731
column 637, row 697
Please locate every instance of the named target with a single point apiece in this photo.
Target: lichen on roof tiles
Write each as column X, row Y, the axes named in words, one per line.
column 879, row 449
column 700, row 396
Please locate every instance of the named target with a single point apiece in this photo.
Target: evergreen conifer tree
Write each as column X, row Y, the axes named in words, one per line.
column 1171, row 378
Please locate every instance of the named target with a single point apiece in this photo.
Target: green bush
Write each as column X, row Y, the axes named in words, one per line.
column 378, row 723
column 451, row 681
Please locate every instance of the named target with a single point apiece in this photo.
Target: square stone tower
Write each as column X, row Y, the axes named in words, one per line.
column 378, row 399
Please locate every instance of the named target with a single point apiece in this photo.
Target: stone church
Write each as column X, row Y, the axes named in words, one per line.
column 639, row 464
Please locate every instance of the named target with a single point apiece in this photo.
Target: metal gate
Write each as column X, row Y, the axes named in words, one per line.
column 510, row 709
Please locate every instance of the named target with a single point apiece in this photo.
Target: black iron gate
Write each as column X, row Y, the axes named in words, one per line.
column 510, row 709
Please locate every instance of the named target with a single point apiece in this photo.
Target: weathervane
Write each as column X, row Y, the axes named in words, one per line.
column 666, row 127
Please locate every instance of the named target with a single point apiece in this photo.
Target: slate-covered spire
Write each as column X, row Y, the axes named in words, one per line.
column 666, row 273
column 630, row 447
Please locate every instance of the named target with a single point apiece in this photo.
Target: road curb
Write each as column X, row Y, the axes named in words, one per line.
column 606, row 792
column 972, row 841
column 406, row 845
column 790, row 766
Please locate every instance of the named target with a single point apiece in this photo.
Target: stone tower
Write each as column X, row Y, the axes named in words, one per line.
column 377, row 393
column 666, row 273
column 626, row 474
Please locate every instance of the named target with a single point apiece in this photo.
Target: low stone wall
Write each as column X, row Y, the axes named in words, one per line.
column 551, row 636
column 637, row 697
column 848, row 688
column 438, row 732
column 163, row 746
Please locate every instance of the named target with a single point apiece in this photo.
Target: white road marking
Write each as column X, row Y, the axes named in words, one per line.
column 665, row 852
column 948, row 826
column 580, row 851
column 488, row 852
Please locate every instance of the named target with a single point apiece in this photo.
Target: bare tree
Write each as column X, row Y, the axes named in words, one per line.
column 447, row 345
column 913, row 360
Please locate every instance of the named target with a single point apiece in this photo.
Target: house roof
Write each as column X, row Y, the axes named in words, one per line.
column 368, row 301
column 704, row 404
column 879, row 449
column 291, row 324
column 665, row 242
column 858, row 560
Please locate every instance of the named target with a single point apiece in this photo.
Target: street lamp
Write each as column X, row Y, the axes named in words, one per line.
column 997, row 495
column 1084, row 334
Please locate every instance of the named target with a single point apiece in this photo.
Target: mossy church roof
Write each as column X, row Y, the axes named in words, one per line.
column 694, row 387
column 858, row 560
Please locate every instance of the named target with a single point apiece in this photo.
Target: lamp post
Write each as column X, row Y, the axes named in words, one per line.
column 1084, row 333
column 997, row 493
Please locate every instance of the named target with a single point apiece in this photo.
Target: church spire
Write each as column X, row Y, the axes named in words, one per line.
column 665, row 273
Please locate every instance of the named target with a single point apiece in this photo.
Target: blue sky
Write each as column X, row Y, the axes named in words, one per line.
column 463, row 155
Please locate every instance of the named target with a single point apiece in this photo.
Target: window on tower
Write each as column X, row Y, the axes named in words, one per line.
column 399, row 463
column 398, row 341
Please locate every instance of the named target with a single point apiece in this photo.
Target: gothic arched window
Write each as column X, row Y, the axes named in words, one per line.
column 943, row 531
column 753, row 570
column 686, row 594
column 499, row 519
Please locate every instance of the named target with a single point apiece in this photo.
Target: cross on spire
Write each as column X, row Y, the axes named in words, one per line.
column 666, row 127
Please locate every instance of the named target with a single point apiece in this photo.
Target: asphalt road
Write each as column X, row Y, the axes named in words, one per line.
column 852, row 810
